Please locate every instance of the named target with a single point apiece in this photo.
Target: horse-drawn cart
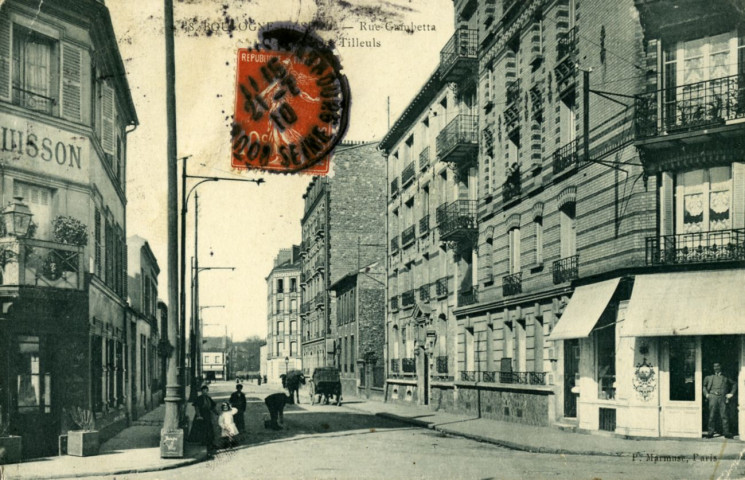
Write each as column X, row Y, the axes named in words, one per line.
column 326, row 382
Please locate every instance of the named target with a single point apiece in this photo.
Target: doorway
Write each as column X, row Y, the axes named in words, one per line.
column 724, row 349
column 571, row 376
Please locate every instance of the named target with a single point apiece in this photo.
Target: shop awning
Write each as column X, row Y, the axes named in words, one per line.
column 584, row 310
column 686, row 303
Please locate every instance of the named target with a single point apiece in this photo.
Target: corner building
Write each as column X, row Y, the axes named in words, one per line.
column 65, row 111
column 283, row 323
column 343, row 229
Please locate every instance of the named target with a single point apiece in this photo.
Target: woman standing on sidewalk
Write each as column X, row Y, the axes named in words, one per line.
column 201, row 429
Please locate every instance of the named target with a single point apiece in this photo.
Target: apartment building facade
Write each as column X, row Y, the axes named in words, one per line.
column 283, row 307
column 65, row 111
column 342, row 231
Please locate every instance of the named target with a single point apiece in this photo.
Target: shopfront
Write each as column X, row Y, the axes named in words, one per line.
column 644, row 357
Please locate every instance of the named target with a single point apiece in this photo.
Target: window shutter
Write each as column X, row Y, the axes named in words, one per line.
column 667, row 205
column 107, row 119
column 738, row 195
column 5, row 57
column 70, row 90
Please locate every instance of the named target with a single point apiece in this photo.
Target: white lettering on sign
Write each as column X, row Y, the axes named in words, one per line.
column 44, row 148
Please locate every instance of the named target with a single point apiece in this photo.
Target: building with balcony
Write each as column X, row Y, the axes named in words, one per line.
column 65, row 112
column 359, row 330
column 284, row 298
column 343, row 230
column 432, row 221
column 137, row 378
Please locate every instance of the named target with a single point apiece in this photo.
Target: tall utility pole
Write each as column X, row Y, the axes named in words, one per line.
column 171, row 436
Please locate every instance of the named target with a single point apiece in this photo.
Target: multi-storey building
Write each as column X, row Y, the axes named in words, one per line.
column 65, row 110
column 143, row 377
column 359, row 329
column 432, row 224
column 342, row 230
column 283, row 314
column 215, row 358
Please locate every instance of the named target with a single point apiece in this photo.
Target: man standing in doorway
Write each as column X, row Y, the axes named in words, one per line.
column 718, row 389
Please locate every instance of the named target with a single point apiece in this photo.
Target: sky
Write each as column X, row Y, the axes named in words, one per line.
column 243, row 225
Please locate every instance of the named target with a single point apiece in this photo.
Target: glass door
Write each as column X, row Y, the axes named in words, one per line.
column 680, row 387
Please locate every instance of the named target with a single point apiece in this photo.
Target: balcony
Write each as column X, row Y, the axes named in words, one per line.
column 424, row 293
column 319, row 264
column 423, row 225
column 408, row 365
column 319, row 300
column 686, row 108
column 665, row 17
column 394, row 244
column 407, row 175
column 458, row 142
column 524, row 378
column 566, row 67
column 320, row 227
column 459, row 56
column 511, row 187
column 512, row 108
column 536, row 102
column 304, row 308
column 458, row 220
column 394, row 187
column 38, row 263
column 424, row 159
column 407, row 299
column 696, row 248
column 567, row 157
column 441, row 287
column 408, row 236
column 566, row 269
column 510, row 10
column 468, row 297
column 512, row 284
column 394, row 303
column 33, row 101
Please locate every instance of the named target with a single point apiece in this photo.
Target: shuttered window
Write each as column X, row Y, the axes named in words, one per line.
column 108, row 137
column 72, row 60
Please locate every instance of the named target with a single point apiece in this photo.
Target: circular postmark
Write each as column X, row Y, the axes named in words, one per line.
column 292, row 101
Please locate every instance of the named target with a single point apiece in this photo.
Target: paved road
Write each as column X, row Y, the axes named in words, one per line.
column 329, row 442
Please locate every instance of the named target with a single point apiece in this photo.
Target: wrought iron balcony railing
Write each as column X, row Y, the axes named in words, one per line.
column 459, row 140
column 512, row 284
column 536, row 102
column 468, row 297
column 408, row 236
column 511, row 187
column 512, row 108
column 566, row 269
column 424, row 293
column 525, row 378
column 469, row 376
column 441, row 287
column 394, row 244
column 408, row 365
column 407, row 175
column 33, row 101
column 394, row 187
column 407, row 299
column 458, row 220
column 320, row 263
column 459, row 56
column 25, row 261
column 424, row 225
column 319, row 300
column 567, row 156
column 703, row 247
column 566, row 67
column 395, row 365
column 690, row 107
column 567, row 44
column 394, row 303
column 440, row 213
column 424, row 159
column 441, row 364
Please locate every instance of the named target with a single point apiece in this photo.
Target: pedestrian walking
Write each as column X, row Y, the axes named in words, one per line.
column 718, row 390
column 238, row 401
column 202, row 429
column 228, row 430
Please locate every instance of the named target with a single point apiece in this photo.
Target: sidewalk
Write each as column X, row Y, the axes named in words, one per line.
column 549, row 439
column 134, row 449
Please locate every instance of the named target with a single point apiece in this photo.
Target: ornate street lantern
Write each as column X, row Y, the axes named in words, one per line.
column 17, row 218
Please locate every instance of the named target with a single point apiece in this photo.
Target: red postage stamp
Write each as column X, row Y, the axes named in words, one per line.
column 291, row 109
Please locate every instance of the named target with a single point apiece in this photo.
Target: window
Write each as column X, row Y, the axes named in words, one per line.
column 280, row 307
column 568, row 120
column 514, row 250
column 704, row 200
column 280, row 286
column 293, row 328
column 293, row 349
column 682, row 369
column 34, row 70
column 33, row 388
column 605, row 355
column 568, row 230
column 280, row 328
column 351, row 353
column 470, row 360
column 207, row 359
column 97, row 235
column 143, row 363
column 293, row 284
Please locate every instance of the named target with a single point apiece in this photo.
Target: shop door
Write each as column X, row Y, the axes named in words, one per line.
column 32, row 397
column 571, row 376
column 725, row 350
column 680, row 387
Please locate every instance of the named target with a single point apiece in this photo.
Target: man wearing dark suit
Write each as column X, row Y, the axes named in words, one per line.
column 276, row 404
column 718, row 389
column 238, row 401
